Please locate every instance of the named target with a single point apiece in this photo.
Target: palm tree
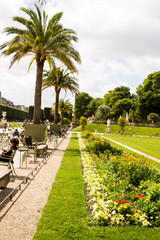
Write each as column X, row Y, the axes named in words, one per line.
column 59, row 79
column 45, row 41
column 64, row 107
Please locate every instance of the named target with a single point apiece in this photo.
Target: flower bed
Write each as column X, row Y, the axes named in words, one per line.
column 124, row 189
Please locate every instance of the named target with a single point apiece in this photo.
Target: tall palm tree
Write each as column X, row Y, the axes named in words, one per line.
column 59, row 79
column 45, row 41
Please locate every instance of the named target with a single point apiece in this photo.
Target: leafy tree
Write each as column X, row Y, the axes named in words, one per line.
column 45, row 41
column 59, row 79
column 81, row 102
column 103, row 112
column 119, row 100
column 148, row 95
column 114, row 95
column 93, row 106
column 121, row 107
column 153, row 117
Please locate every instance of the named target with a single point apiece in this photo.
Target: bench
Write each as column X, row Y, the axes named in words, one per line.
column 4, row 177
column 41, row 149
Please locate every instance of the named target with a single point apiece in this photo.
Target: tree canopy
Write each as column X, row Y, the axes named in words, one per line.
column 148, row 95
column 81, row 102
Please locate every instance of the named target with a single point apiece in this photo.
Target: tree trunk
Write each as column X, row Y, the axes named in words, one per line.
column 38, row 91
column 62, row 116
column 56, row 106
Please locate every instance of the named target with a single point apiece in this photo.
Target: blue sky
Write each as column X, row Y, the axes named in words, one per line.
column 118, row 44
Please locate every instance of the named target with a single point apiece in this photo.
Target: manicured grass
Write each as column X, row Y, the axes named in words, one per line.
column 65, row 214
column 156, row 164
column 148, row 131
column 101, row 128
column 146, row 145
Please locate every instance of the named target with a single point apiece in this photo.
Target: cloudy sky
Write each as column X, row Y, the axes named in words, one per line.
column 119, row 43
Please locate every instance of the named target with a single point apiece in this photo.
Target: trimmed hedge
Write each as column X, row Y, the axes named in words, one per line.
column 13, row 113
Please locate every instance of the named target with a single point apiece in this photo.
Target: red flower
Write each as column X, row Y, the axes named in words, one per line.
column 135, row 196
column 111, row 182
column 122, row 201
column 116, row 201
column 98, row 161
column 140, row 196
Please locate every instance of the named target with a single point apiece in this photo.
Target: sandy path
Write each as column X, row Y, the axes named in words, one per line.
column 21, row 220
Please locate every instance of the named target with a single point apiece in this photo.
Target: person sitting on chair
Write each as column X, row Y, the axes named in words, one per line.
column 7, row 153
column 16, row 133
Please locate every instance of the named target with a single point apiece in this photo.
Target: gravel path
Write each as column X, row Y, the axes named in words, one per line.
column 21, row 220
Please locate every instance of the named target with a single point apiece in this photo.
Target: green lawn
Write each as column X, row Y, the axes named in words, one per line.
column 65, row 214
column 148, row 145
column 156, row 164
column 101, row 128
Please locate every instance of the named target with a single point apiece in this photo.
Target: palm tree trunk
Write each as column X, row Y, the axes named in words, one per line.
column 56, row 106
column 38, row 91
column 62, row 116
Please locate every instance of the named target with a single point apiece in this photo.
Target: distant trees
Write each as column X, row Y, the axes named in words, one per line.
column 82, row 100
column 119, row 100
column 102, row 112
column 153, row 117
column 93, row 106
column 148, row 95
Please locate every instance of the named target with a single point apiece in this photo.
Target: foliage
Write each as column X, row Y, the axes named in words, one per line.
column 60, row 79
column 153, row 117
column 31, row 111
column 122, row 122
column 13, row 113
column 123, row 189
column 66, row 121
column 149, row 95
column 82, row 100
column 47, row 114
column 120, row 107
column 68, row 203
column 45, row 41
column 103, row 112
column 83, row 121
column 93, row 106
column 64, row 107
column 97, row 146
column 119, row 100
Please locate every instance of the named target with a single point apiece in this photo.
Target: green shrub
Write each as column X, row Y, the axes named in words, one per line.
column 66, row 121
column 83, row 121
column 122, row 122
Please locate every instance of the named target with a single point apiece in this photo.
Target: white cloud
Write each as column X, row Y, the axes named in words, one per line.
column 118, row 44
